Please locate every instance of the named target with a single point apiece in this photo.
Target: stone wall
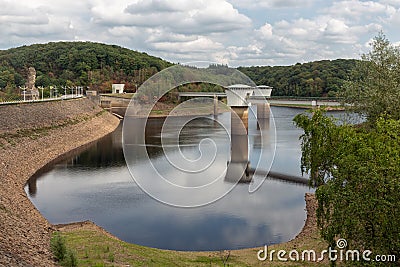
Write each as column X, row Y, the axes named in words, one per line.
column 40, row 114
column 24, row 232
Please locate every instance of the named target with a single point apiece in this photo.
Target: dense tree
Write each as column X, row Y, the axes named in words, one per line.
column 358, row 173
column 356, row 168
column 313, row 79
column 375, row 87
column 320, row 134
column 96, row 65
column 77, row 63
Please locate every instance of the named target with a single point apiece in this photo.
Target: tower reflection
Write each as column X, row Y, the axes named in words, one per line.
column 239, row 164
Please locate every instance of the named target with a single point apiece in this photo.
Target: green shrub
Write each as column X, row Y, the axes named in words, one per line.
column 57, row 244
column 358, row 175
column 62, row 254
column 70, row 259
column 111, row 257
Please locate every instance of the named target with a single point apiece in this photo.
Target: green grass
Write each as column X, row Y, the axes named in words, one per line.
column 94, row 248
column 158, row 112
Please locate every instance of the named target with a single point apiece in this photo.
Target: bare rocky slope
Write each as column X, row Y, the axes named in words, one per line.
column 32, row 135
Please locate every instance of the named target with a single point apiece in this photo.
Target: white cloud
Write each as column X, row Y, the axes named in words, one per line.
column 253, row 4
column 15, row 13
column 160, row 6
column 355, row 10
column 157, row 35
column 125, row 31
column 198, row 17
column 320, row 37
column 201, row 44
column 336, row 27
column 176, row 29
column 265, row 31
column 391, row 2
column 23, row 19
column 238, row 32
column 21, row 24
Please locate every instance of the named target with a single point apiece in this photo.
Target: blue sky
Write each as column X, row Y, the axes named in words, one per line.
column 233, row 32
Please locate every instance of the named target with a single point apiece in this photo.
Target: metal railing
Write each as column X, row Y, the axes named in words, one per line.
column 13, row 101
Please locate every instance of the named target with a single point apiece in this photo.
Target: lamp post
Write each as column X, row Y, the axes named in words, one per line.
column 23, row 88
column 41, row 87
column 51, row 88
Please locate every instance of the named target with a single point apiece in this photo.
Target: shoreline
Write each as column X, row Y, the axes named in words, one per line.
column 87, row 238
column 25, row 234
column 19, row 215
column 221, row 111
column 327, row 108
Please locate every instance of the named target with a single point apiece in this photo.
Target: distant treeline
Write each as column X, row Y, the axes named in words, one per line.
column 314, row 79
column 77, row 64
column 99, row 65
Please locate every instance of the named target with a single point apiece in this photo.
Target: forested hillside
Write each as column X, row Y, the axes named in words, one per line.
column 99, row 65
column 314, row 79
column 77, row 63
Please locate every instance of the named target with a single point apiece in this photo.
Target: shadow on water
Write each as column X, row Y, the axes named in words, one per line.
column 102, row 153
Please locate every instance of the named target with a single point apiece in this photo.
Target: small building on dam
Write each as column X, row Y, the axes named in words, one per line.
column 238, row 94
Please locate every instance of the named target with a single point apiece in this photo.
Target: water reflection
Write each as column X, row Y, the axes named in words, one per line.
column 96, row 185
column 238, row 164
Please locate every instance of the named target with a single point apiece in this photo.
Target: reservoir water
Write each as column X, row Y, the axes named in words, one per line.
column 94, row 184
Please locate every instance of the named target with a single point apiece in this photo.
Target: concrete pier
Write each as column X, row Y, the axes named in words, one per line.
column 239, row 117
column 263, row 111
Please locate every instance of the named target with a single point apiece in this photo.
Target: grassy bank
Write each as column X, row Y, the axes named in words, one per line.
column 95, row 247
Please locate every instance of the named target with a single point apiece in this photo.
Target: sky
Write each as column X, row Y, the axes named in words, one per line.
column 233, row 32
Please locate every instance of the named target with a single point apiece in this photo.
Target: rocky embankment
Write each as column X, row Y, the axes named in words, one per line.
column 32, row 135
